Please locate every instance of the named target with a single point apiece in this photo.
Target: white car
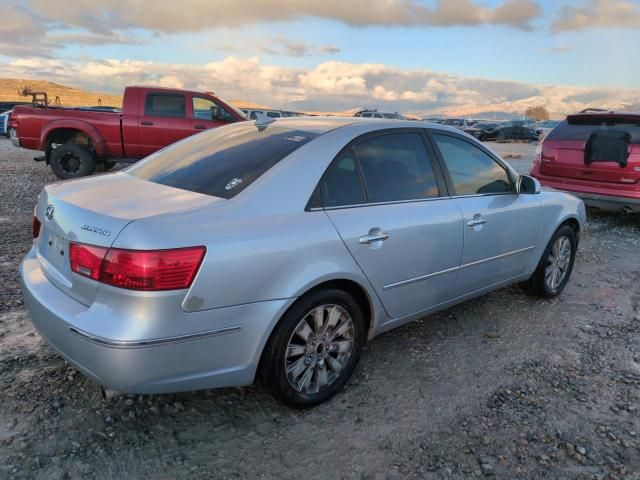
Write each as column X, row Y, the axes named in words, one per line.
column 252, row 113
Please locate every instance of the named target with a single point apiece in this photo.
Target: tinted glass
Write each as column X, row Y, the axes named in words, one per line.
column 273, row 114
column 341, row 183
column 223, row 161
column 471, row 170
column 396, row 167
column 202, row 109
column 163, row 105
column 581, row 128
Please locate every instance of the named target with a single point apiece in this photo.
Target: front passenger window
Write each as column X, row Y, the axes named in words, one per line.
column 472, row 171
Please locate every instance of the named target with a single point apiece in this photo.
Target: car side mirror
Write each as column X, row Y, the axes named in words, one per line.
column 528, row 185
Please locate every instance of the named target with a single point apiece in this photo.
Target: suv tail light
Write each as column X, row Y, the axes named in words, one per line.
column 147, row 270
column 35, row 227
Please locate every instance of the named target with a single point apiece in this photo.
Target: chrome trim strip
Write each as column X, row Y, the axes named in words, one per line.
column 497, row 257
column 155, row 341
column 419, row 279
column 453, row 269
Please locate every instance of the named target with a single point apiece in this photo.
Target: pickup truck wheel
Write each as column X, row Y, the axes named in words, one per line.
column 105, row 166
column 71, row 160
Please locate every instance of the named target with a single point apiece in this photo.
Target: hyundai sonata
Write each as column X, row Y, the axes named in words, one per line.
column 277, row 248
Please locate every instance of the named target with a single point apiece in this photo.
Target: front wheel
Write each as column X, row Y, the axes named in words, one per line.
column 314, row 349
column 556, row 264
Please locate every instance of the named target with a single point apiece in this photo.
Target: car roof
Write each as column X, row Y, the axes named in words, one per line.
column 635, row 116
column 322, row 124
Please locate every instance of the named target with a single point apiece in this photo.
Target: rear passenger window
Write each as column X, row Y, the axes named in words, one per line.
column 341, row 184
column 396, row 167
column 164, row 105
column 472, row 171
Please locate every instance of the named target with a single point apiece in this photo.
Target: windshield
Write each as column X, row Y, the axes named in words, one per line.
column 221, row 162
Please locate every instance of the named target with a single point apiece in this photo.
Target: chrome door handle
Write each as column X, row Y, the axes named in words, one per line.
column 476, row 221
column 378, row 237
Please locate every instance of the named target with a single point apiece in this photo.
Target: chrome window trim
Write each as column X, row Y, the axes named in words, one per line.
column 154, row 341
column 409, row 281
column 395, row 202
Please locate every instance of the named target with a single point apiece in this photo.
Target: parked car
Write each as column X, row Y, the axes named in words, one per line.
column 279, row 248
column 596, row 156
column 544, row 128
column 518, row 130
column 5, row 124
column 6, row 106
column 459, row 123
column 252, row 113
column 483, row 131
column 377, row 114
column 75, row 141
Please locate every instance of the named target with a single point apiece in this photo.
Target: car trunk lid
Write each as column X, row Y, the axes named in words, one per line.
column 594, row 147
column 94, row 211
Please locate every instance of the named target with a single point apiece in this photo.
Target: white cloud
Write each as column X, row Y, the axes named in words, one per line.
column 329, row 86
column 199, row 15
column 598, row 14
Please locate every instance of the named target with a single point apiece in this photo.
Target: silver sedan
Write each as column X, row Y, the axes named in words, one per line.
column 277, row 248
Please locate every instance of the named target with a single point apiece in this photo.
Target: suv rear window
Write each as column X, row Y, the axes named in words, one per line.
column 581, row 128
column 221, row 162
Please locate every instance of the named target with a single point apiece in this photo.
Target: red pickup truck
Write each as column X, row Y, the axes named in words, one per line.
column 76, row 141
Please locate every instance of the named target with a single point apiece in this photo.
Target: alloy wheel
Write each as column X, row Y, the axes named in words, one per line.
column 319, row 348
column 558, row 262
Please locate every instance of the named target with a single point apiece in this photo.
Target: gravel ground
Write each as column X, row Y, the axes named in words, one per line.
column 504, row 385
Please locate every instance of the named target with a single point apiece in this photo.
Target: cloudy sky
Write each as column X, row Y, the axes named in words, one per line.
column 415, row 56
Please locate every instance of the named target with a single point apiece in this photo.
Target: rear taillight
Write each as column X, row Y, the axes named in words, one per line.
column 538, row 156
column 86, row 260
column 148, row 270
column 35, row 227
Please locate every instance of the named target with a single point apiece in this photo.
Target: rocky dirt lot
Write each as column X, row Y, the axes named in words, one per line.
column 505, row 385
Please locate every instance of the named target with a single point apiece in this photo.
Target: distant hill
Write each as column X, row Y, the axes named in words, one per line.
column 69, row 96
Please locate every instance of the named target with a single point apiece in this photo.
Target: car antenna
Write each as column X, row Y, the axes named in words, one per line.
column 262, row 121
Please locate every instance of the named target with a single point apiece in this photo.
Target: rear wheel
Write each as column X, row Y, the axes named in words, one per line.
column 556, row 264
column 71, row 160
column 314, row 349
column 105, row 166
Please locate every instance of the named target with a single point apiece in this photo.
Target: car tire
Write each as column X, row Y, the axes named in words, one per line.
column 72, row 160
column 104, row 166
column 302, row 365
column 543, row 283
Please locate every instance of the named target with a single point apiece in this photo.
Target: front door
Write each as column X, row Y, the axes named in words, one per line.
column 203, row 116
column 383, row 196
column 501, row 227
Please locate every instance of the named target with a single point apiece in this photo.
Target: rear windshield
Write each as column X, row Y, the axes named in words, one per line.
column 221, row 162
column 579, row 129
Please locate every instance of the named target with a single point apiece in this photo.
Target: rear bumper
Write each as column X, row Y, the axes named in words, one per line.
column 226, row 353
column 618, row 198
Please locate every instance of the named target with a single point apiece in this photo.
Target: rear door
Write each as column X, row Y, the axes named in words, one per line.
column 563, row 150
column 384, row 197
column 501, row 228
column 163, row 121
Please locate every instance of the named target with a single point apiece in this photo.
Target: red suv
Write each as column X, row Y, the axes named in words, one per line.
column 596, row 156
